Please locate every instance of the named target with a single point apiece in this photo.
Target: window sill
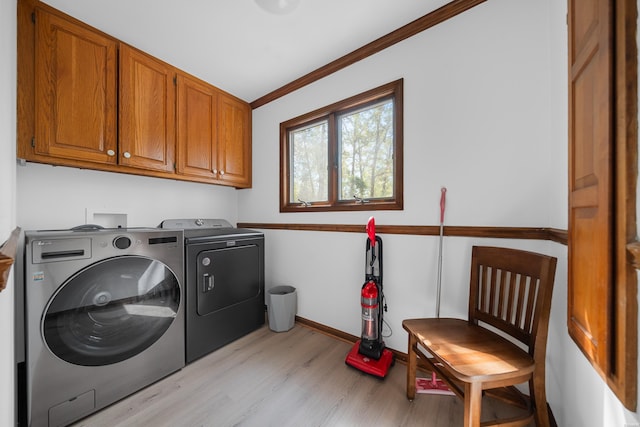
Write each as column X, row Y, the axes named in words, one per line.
column 346, row 207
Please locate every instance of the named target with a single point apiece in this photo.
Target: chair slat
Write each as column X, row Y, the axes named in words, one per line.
column 533, row 295
column 522, row 284
column 493, row 288
column 502, row 295
column 485, row 277
column 513, row 283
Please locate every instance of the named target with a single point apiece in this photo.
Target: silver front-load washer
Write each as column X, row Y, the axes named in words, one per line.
column 104, row 317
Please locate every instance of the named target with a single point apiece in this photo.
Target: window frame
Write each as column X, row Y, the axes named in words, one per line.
column 392, row 90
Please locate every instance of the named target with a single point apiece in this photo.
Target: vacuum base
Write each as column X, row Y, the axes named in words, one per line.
column 378, row 368
column 371, row 349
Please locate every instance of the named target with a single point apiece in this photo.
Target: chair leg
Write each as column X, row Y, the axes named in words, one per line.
column 412, row 365
column 539, row 401
column 472, row 404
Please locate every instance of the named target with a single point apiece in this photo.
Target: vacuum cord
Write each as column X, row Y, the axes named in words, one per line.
column 384, row 322
column 388, row 327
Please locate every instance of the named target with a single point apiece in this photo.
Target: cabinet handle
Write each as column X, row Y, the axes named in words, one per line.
column 111, row 153
column 221, row 172
column 127, row 155
column 215, row 171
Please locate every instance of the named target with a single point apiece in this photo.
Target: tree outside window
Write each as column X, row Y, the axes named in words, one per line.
column 346, row 156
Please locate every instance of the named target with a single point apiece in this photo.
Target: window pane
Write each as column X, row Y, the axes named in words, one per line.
column 309, row 160
column 366, row 150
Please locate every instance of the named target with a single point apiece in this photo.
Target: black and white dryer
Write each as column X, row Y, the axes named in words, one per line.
column 224, row 280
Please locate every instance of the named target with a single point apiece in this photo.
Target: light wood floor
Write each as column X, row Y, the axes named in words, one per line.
column 294, row 378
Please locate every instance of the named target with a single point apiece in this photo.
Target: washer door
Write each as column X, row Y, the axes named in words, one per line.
column 111, row 311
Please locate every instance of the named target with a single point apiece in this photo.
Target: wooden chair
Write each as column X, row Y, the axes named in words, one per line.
column 511, row 293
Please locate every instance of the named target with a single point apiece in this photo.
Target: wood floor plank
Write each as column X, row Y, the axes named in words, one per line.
column 294, row 378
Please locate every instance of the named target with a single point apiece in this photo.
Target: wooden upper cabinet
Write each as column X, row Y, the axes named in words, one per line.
column 234, row 141
column 197, row 128
column 87, row 100
column 146, row 111
column 75, row 91
column 213, row 133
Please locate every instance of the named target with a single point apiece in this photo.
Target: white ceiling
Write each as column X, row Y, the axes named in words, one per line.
column 238, row 46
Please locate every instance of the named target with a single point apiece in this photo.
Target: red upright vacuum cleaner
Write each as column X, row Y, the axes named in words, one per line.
column 369, row 354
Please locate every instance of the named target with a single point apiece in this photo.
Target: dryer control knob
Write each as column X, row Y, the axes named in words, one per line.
column 122, row 242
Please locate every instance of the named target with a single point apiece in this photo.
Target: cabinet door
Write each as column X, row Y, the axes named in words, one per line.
column 591, row 219
column 234, row 141
column 76, row 80
column 147, row 111
column 197, row 131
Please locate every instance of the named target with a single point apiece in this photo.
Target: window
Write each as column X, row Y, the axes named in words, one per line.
column 346, row 156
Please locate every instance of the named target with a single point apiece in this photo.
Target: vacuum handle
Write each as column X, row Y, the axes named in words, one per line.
column 374, row 261
column 371, row 230
column 443, row 196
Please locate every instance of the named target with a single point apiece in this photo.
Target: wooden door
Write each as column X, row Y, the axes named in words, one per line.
column 197, row 128
column 147, row 111
column 590, row 178
column 234, row 141
column 75, row 95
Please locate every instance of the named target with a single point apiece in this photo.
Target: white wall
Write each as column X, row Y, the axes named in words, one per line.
column 7, row 199
column 468, row 94
column 70, row 194
column 479, row 118
column 485, row 115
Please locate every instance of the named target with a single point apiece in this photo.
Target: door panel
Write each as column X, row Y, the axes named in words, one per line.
column 147, row 111
column 590, row 179
column 197, row 128
column 227, row 277
column 76, row 80
column 234, row 142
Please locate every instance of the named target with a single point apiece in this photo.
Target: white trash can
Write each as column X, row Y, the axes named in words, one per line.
column 282, row 305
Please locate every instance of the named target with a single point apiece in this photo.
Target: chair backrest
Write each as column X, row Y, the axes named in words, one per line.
column 511, row 290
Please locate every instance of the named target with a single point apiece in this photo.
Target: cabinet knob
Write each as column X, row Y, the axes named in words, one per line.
column 215, row 171
column 127, row 155
column 221, row 172
column 111, row 153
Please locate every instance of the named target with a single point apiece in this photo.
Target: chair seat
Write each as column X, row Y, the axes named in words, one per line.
column 470, row 353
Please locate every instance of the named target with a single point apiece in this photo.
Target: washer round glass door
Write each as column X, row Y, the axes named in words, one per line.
column 111, row 311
